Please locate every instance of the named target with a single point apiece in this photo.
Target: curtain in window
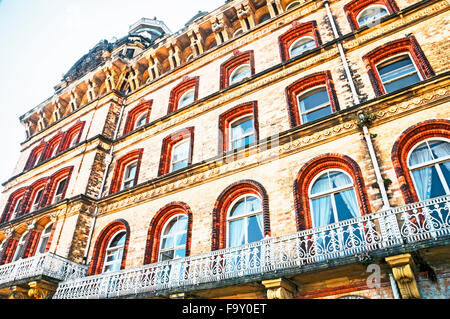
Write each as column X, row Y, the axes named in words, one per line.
column 348, row 196
column 322, row 211
column 237, row 233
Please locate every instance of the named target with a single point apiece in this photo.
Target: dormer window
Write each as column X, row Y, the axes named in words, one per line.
column 371, row 14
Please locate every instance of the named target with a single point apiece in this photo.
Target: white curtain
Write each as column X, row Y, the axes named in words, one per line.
column 236, row 232
column 440, row 148
column 322, row 212
column 348, row 196
column 259, row 220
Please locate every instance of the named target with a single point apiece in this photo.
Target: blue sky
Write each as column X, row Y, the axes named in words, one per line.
column 40, row 40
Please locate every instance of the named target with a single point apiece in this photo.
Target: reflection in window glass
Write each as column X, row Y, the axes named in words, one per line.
column 173, row 239
column 314, row 105
column 398, row 73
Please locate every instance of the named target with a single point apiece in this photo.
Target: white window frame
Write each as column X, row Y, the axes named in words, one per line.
column 19, row 248
column 330, row 193
column 34, row 205
column 393, row 58
column 59, row 197
column 245, row 216
column 180, row 100
column 174, row 146
column 45, row 235
column 16, row 206
column 321, row 106
column 434, row 162
column 238, row 32
column 109, row 250
column 293, row 4
column 139, row 119
column 130, row 179
column 174, row 248
column 73, row 141
column 298, row 40
column 367, row 8
column 230, row 126
column 230, row 78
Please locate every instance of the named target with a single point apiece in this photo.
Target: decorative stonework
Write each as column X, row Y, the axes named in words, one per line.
column 402, row 269
column 279, row 289
column 41, row 289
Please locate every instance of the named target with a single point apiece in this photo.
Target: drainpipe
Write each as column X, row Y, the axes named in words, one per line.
column 341, row 53
column 394, row 287
column 356, row 101
column 108, row 161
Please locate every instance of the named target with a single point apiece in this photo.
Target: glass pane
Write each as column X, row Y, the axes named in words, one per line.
column 167, row 242
column 43, row 245
column 180, row 152
column 301, row 46
column 238, row 208
column 322, row 211
column 313, row 99
column 61, row 186
column 253, row 204
column 371, row 14
column 187, row 98
column 181, row 240
column 131, row 171
column 255, row 228
column 439, row 148
column 243, row 142
column 179, row 165
column 240, row 73
column 401, row 83
column 38, row 196
column 321, row 185
column 420, row 155
column 180, row 253
column 339, row 179
column 241, row 128
column 119, row 240
column 316, row 114
column 346, row 205
column 445, row 168
column 428, row 183
column 237, row 233
column 166, row 255
column 141, row 121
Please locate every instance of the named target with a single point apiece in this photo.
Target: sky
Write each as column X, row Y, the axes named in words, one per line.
column 40, row 40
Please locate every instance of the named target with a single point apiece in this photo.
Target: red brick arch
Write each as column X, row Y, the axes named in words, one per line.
column 167, row 146
column 11, row 203
column 119, row 170
column 99, row 252
column 238, row 58
column 353, row 8
column 403, row 145
column 157, row 224
column 176, row 93
column 133, row 114
column 223, row 202
column 314, row 167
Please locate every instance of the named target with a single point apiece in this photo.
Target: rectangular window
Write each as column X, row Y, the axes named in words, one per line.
column 60, row 191
column 129, row 176
column 37, row 200
column 242, row 133
column 180, row 156
column 314, row 105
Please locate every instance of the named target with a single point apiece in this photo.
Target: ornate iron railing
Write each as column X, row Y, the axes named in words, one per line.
column 48, row 264
column 407, row 224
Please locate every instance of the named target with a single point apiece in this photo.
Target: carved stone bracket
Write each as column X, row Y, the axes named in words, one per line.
column 279, row 288
column 41, row 289
column 18, row 292
column 402, row 269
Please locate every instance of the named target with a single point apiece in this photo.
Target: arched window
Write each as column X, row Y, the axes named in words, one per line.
column 371, row 14
column 242, row 132
column 237, row 33
column 187, row 98
column 429, row 164
column 332, row 198
column 292, row 5
column 114, row 252
column 36, row 199
column 311, row 97
column 241, row 73
column 72, row 136
column 60, row 190
column 20, row 248
column 126, row 172
column 17, row 207
column 301, row 45
column 138, row 116
column 140, row 121
column 264, row 18
column 129, row 176
column 245, row 222
column 173, row 238
column 35, row 156
column 45, row 237
column 176, row 151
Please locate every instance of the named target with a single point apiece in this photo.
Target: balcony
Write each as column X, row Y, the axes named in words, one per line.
column 45, row 266
column 413, row 226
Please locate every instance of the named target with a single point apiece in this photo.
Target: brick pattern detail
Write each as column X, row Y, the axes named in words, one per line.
column 296, row 32
column 119, row 170
column 403, row 145
column 404, row 45
column 353, row 8
column 223, row 203
column 310, row 170
column 136, row 112
column 157, row 225
column 232, row 63
column 232, row 114
column 7, row 252
column 167, row 146
column 31, row 242
column 306, row 83
column 176, row 93
column 99, row 252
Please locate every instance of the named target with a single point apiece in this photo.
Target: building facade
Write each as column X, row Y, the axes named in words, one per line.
column 269, row 149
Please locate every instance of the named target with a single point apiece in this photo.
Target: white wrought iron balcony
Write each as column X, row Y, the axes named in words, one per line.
column 424, row 221
column 44, row 265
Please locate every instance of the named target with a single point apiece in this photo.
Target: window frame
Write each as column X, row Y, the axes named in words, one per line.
column 162, row 236
column 44, row 236
column 132, row 179
column 248, row 67
column 33, row 205
column 20, row 248
column 230, row 130
column 108, row 249
column 297, row 40
column 63, row 191
column 316, row 108
column 368, row 7
column 237, row 60
column 245, row 217
column 172, row 153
